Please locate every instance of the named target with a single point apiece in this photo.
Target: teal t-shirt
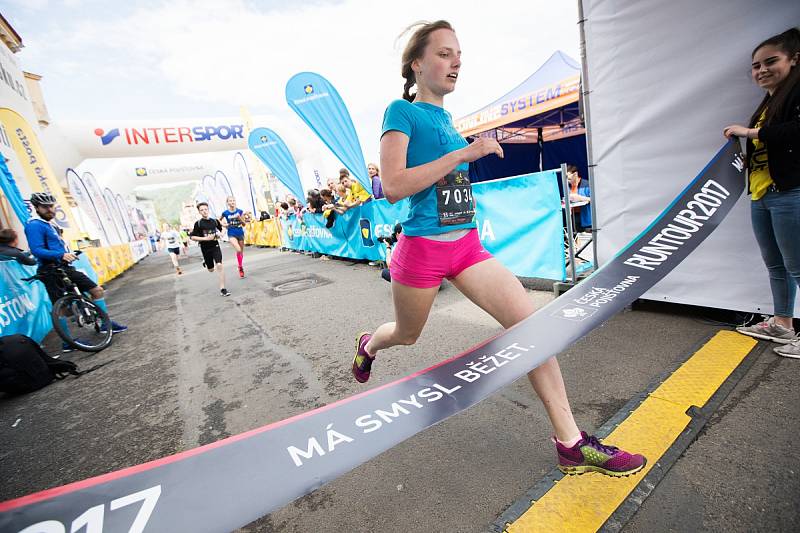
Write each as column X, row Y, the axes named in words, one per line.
column 431, row 135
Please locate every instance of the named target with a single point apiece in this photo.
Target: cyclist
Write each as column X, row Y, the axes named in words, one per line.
column 51, row 251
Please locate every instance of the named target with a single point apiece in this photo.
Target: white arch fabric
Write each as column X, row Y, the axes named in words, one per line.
column 215, row 194
column 116, row 214
column 106, row 218
column 243, row 184
column 88, row 214
column 127, row 212
column 138, row 138
column 650, row 125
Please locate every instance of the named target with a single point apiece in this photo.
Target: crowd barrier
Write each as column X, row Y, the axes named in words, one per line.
column 25, row 307
column 109, row 262
column 263, row 233
column 519, row 221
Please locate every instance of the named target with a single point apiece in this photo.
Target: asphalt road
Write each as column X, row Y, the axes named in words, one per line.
column 195, row 367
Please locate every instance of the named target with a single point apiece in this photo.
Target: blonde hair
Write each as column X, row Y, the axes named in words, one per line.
column 377, row 169
column 415, row 49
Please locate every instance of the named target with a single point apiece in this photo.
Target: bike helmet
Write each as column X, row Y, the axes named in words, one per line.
column 42, row 198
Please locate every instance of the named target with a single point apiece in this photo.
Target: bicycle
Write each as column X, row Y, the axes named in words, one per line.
column 91, row 324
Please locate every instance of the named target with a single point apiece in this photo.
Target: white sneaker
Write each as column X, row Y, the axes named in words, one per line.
column 768, row 331
column 789, row 350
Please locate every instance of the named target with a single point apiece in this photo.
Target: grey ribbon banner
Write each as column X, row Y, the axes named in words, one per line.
column 232, row 482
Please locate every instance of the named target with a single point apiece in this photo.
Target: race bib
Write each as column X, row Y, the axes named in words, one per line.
column 454, row 199
column 235, row 221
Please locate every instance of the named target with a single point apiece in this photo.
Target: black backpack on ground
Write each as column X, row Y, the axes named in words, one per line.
column 25, row 367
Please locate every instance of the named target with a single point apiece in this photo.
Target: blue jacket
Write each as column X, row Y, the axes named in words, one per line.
column 44, row 241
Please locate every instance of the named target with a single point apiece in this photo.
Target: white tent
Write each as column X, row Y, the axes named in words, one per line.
column 663, row 79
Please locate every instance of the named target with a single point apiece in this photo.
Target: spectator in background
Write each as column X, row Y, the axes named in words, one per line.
column 577, row 195
column 374, row 174
column 328, row 205
column 327, row 198
column 358, row 193
column 314, row 201
column 345, row 201
column 332, row 184
column 9, row 240
column 574, row 179
column 294, row 207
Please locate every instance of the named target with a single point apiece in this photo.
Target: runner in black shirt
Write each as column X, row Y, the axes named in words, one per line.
column 207, row 231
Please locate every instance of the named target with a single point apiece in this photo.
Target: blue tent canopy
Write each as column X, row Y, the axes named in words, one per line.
column 539, row 123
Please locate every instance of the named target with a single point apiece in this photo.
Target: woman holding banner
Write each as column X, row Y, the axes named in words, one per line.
column 773, row 157
column 425, row 159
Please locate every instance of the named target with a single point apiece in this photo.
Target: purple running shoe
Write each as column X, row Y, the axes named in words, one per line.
column 362, row 362
column 590, row 455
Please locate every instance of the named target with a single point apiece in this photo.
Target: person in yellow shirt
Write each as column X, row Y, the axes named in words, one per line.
column 356, row 194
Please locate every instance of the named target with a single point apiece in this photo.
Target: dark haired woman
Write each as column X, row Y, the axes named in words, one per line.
column 425, row 159
column 773, row 156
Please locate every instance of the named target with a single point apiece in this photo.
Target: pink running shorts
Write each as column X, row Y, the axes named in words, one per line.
column 423, row 263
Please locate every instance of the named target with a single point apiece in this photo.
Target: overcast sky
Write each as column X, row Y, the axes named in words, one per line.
column 170, row 59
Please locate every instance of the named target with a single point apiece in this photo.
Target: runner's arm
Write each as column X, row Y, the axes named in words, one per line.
column 401, row 182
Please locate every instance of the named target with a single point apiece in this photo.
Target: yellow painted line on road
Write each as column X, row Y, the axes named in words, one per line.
column 584, row 503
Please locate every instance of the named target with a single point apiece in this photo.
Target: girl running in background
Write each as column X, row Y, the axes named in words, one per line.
column 234, row 220
column 426, row 160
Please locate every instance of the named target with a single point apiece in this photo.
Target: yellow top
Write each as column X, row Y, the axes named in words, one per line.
column 760, row 180
column 357, row 192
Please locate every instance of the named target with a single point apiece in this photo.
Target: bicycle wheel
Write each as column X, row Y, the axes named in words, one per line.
column 84, row 323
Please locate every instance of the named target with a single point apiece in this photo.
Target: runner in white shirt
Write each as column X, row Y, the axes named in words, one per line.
column 171, row 240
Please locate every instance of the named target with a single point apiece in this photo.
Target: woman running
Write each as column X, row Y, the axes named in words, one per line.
column 234, row 220
column 425, row 159
column 773, row 157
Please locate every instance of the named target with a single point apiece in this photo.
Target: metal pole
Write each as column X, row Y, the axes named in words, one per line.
column 540, row 141
column 568, row 218
column 585, row 98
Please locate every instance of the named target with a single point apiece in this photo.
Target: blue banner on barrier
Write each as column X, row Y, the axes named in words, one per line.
column 519, row 220
column 354, row 234
column 24, row 307
column 520, row 223
column 10, row 189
